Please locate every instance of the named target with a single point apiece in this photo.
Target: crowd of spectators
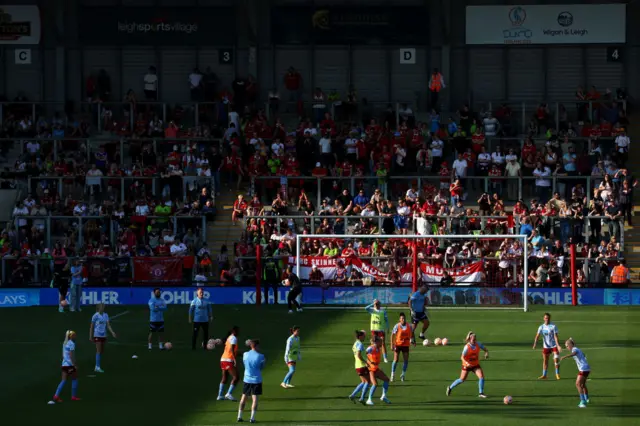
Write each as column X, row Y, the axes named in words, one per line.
column 537, row 185
column 173, row 169
column 149, row 199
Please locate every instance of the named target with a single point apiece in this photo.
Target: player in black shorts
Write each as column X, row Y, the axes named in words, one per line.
column 61, row 280
column 157, row 307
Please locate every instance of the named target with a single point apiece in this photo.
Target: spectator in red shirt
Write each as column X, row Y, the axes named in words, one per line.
column 293, row 83
column 239, row 209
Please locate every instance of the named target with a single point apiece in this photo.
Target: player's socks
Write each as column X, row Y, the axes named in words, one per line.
column 385, row 388
column 161, row 345
column 481, row 385
column 586, row 397
column 60, row 386
column 405, row 365
column 221, row 390
column 421, row 336
column 231, row 388
column 287, row 378
column 150, row 346
column 74, row 388
column 364, row 391
column 455, row 383
column 394, row 364
column 356, row 390
column 253, row 416
column 98, row 360
column 372, row 391
column 544, row 373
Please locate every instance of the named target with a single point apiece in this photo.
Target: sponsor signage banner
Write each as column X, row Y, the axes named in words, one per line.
column 20, row 25
column 157, row 25
column 440, row 296
column 622, row 297
column 161, row 270
column 172, row 295
column 16, row 298
column 546, row 24
column 395, row 25
column 470, row 296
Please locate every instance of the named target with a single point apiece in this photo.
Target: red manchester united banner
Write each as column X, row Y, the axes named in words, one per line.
column 158, row 270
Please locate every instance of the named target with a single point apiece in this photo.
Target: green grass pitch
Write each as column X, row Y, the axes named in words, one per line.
column 180, row 387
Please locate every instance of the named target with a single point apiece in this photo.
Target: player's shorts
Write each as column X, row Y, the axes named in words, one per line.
column 252, row 389
column 291, row 363
column 69, row 369
column 379, row 334
column 226, row 365
column 362, row 371
column 547, row 351
column 402, row 349
column 584, row 374
column 156, row 326
column 471, row 369
column 99, row 339
column 416, row 317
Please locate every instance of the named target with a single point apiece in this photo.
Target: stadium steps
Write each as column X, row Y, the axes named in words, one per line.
column 631, row 236
column 221, row 231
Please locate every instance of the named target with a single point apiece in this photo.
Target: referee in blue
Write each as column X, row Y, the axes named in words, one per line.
column 253, row 364
column 200, row 315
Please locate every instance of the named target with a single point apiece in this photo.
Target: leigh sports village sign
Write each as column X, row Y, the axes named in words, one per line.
column 552, row 24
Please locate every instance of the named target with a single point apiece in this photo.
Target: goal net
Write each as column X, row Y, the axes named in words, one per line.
column 471, row 271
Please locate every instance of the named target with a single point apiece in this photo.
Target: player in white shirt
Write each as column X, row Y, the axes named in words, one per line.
column 69, row 368
column 583, row 371
column 98, row 333
column 550, row 343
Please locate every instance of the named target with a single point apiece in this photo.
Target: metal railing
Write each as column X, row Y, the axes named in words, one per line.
column 101, row 113
column 398, row 185
column 108, row 225
column 116, row 186
column 557, row 113
column 566, row 227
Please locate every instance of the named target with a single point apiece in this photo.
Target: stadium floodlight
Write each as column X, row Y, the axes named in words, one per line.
column 520, row 289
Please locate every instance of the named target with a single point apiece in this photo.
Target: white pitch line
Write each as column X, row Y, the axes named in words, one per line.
column 121, row 314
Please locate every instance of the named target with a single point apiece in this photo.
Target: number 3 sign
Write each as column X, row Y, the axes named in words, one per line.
column 225, row 56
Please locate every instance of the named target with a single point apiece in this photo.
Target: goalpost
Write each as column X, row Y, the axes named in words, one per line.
column 428, row 273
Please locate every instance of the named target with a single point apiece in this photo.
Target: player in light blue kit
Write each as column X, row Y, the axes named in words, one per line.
column 291, row 356
column 550, row 343
column 200, row 315
column 157, row 306
column 417, row 304
column 583, row 371
column 69, row 368
column 254, row 363
column 98, row 333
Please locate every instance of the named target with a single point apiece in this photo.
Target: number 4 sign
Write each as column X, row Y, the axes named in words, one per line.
column 614, row 54
column 225, row 56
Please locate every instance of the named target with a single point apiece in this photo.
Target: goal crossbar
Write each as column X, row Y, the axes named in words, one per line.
column 521, row 237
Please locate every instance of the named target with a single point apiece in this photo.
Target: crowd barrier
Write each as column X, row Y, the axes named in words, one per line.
column 558, row 113
column 449, row 296
column 53, row 227
column 396, row 186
